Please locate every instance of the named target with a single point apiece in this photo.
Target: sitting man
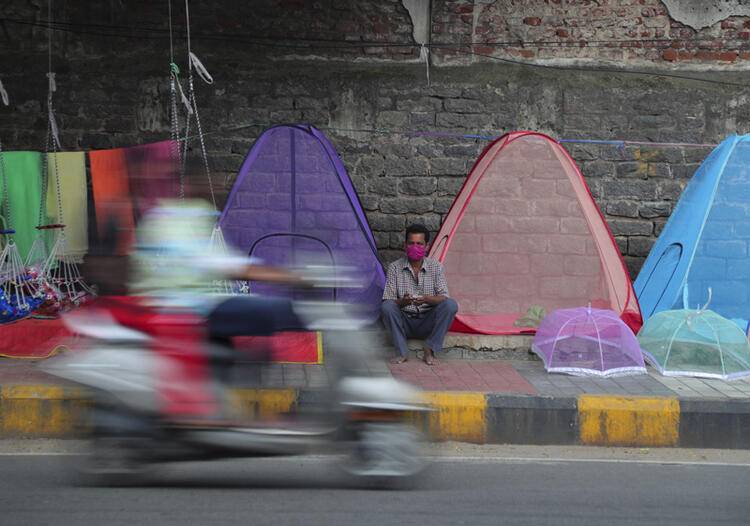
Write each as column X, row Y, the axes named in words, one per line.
column 415, row 300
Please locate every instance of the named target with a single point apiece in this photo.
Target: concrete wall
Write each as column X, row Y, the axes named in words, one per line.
column 362, row 81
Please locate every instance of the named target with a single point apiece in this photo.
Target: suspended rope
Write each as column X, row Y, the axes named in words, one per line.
column 174, row 84
column 195, row 63
column 37, row 256
column 55, row 272
column 4, row 94
column 424, row 55
column 217, row 244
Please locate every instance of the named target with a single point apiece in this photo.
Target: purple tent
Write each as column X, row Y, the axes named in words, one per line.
column 294, row 204
column 588, row 342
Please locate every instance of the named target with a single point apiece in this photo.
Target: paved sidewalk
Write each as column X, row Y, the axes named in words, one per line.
column 464, row 375
column 484, row 401
column 520, row 377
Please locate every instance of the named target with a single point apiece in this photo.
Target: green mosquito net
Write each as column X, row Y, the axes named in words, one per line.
column 695, row 343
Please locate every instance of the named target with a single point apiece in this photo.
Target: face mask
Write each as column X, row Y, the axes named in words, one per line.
column 415, row 252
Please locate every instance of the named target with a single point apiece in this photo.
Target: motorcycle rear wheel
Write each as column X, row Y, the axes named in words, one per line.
column 386, row 455
column 113, row 461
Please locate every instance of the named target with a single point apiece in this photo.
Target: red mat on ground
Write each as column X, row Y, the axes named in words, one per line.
column 36, row 339
column 32, row 338
column 288, row 347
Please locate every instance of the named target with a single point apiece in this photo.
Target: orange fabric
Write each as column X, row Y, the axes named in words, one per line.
column 109, row 181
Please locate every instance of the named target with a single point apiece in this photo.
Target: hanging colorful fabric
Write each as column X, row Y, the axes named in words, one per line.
column 152, row 174
column 70, row 168
column 23, row 175
column 112, row 201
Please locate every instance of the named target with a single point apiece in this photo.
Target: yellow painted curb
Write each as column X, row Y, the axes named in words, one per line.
column 457, row 416
column 39, row 410
column 52, row 411
column 262, row 402
column 628, row 421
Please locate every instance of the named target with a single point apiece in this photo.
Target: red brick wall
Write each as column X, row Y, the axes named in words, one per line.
column 612, row 30
column 626, row 32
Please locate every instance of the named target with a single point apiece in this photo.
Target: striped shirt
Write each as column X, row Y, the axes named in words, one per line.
column 402, row 281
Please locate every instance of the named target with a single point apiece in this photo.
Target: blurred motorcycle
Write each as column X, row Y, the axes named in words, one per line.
column 366, row 418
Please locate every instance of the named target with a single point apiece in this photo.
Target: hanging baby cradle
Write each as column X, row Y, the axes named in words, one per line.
column 216, row 245
column 55, row 272
column 18, row 294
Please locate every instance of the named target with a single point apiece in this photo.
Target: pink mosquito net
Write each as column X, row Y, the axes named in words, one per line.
column 524, row 237
column 588, row 342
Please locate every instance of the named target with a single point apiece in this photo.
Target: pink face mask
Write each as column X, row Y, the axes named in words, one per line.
column 415, row 252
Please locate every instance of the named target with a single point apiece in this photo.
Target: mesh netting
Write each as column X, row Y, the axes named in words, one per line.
column 588, row 342
column 524, row 235
column 695, row 343
column 705, row 244
column 293, row 204
column 722, row 260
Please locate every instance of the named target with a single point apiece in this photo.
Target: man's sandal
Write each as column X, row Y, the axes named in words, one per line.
column 400, row 360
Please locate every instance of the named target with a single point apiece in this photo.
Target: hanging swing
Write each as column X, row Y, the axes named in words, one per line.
column 18, row 294
column 55, row 272
column 217, row 244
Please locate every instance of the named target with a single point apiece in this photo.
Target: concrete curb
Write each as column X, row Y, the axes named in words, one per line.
column 42, row 411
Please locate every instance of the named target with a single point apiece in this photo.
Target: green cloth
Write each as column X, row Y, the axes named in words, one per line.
column 23, row 173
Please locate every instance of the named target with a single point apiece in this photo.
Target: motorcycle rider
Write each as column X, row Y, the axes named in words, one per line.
column 173, row 268
column 171, row 277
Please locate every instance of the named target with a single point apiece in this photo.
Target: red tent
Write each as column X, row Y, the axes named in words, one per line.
column 524, row 233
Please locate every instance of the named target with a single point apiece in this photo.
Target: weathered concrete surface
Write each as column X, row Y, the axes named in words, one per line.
column 700, row 14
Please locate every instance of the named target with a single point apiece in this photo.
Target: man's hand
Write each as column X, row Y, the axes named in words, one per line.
column 405, row 301
column 428, row 300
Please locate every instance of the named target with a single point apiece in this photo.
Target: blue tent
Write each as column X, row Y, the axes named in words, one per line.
column 706, row 242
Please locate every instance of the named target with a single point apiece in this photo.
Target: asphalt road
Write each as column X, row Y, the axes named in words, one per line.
column 475, row 488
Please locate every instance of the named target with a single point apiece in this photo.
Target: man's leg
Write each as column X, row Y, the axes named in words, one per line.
column 439, row 318
column 396, row 323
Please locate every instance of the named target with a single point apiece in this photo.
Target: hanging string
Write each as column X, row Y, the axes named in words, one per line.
column 6, row 192
column 53, row 139
column 52, row 85
column 201, row 69
column 171, row 43
column 174, row 81
column 4, row 94
column 424, row 54
column 4, row 179
column 194, row 62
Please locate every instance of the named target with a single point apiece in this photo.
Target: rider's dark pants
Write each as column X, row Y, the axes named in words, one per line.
column 248, row 316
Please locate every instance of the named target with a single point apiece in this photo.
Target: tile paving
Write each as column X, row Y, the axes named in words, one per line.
column 522, row 377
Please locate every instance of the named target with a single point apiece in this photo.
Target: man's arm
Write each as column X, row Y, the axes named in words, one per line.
column 441, row 290
column 270, row 275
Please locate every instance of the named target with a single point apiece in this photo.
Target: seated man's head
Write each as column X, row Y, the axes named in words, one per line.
column 417, row 237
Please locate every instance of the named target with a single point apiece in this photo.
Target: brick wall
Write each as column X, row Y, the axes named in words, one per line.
column 113, row 91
